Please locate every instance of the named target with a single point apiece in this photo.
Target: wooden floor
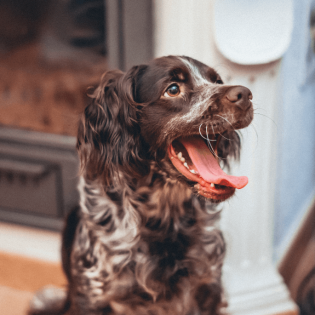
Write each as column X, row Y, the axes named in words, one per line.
column 20, row 277
column 13, row 301
column 29, row 260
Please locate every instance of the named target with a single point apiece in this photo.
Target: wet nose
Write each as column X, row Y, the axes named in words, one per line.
column 239, row 96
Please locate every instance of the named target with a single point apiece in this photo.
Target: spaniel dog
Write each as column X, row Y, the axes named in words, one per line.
column 144, row 240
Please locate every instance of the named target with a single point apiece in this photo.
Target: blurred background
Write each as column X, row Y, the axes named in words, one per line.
column 51, row 52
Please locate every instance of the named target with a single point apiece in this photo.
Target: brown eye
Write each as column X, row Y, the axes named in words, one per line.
column 172, row 91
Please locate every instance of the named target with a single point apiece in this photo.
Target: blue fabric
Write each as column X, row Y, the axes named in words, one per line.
column 296, row 126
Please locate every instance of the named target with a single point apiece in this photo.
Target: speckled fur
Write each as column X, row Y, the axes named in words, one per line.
column 142, row 241
column 150, row 255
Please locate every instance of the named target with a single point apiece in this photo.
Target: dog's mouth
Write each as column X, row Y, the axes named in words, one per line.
column 192, row 157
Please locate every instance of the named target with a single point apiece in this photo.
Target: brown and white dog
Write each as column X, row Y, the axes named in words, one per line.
column 144, row 240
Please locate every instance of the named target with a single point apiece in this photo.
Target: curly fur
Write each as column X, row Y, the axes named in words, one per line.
column 143, row 241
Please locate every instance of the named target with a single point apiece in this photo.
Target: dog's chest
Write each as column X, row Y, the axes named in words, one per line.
column 121, row 256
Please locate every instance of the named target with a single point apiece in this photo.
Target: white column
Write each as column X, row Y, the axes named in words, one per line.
column 183, row 27
column 252, row 283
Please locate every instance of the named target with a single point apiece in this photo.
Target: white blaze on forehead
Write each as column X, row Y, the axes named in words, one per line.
column 195, row 73
column 200, row 101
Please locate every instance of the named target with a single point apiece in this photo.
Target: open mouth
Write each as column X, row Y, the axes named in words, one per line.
column 192, row 157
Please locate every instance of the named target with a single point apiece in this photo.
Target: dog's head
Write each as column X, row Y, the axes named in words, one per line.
column 175, row 109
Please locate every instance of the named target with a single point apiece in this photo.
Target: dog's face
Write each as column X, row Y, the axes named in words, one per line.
column 188, row 112
column 175, row 108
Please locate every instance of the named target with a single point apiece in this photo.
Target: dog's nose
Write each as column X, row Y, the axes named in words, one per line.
column 239, row 96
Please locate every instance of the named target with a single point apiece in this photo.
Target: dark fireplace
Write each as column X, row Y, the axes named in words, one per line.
column 51, row 53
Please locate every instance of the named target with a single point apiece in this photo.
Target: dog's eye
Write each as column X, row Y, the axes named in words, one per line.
column 219, row 81
column 172, row 91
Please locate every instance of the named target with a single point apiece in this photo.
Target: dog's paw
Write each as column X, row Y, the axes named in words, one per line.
column 49, row 300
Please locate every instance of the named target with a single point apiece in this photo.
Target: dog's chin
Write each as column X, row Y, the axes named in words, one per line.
column 192, row 158
column 214, row 194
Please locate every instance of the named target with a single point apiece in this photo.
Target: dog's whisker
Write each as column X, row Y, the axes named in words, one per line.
column 221, row 134
column 212, row 128
column 210, row 146
column 208, row 141
column 259, row 108
column 239, row 133
column 226, row 121
column 253, row 126
column 202, row 134
column 268, row 118
column 225, row 137
column 257, row 138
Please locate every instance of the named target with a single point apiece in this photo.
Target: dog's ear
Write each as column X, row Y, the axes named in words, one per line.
column 109, row 141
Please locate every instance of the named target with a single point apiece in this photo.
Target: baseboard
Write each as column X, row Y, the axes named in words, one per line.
column 37, row 244
column 288, row 313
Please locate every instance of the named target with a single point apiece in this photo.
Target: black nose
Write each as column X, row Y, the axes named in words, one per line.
column 239, row 96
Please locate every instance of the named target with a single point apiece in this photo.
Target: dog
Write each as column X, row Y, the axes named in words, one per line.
column 144, row 239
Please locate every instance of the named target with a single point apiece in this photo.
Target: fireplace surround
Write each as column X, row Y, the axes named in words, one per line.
column 46, row 70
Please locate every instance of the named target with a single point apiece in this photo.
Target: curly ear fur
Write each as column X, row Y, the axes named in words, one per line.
column 109, row 141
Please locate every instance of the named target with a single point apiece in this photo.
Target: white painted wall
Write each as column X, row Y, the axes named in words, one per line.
column 252, row 282
column 184, row 27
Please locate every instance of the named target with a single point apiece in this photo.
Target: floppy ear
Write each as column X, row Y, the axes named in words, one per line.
column 109, row 141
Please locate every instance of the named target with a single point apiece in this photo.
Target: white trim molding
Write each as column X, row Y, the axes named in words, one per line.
column 29, row 242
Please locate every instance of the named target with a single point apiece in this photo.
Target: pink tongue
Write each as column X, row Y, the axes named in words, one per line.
column 207, row 165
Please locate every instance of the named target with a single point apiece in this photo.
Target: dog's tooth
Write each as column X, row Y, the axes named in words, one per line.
column 180, row 155
column 212, row 184
column 183, row 159
column 193, row 171
column 186, row 165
